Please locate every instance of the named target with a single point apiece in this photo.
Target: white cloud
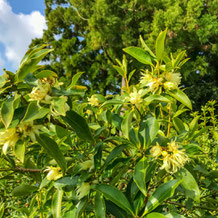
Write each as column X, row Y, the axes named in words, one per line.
column 17, row 31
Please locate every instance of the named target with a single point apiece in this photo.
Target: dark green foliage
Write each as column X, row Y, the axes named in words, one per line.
column 89, row 35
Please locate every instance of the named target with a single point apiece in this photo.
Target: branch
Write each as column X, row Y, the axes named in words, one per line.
column 20, row 169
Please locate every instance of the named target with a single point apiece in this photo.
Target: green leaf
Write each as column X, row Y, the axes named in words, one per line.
column 119, row 70
column 189, row 184
column 160, row 98
column 114, row 195
column 126, row 124
column 139, row 175
column 148, row 130
column 139, row 54
column 7, row 110
column 99, row 206
column 178, row 124
column 155, row 215
column 53, row 150
column 2, row 210
column 23, row 190
column 162, row 193
column 45, row 74
column 33, row 112
column 159, row 44
column 75, row 78
column 114, row 153
column 145, row 47
column 56, row 203
column 19, row 150
column 181, row 96
column 111, row 103
column 98, row 155
column 80, row 207
column 194, row 124
column 29, row 63
column 131, row 74
column 79, row 125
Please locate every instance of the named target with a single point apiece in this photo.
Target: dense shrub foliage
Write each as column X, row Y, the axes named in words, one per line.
column 142, row 153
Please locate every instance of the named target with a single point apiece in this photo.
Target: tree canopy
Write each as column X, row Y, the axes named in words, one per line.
column 89, row 35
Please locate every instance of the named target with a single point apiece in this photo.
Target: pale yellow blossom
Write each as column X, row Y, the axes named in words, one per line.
column 40, row 92
column 89, row 112
column 175, row 158
column 145, row 79
column 29, row 129
column 82, row 190
column 93, row 101
column 8, row 138
column 156, row 150
column 53, row 173
column 87, row 165
column 154, row 84
column 170, row 85
column 174, row 78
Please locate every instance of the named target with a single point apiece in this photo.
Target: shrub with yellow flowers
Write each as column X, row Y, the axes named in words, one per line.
column 124, row 155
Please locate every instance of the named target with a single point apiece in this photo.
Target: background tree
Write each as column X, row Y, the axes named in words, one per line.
column 89, row 35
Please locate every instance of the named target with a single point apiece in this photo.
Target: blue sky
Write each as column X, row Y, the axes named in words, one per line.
column 20, row 22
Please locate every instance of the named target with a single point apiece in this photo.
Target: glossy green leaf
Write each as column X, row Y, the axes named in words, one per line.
column 114, row 195
column 189, row 184
column 78, row 123
column 45, row 74
column 139, row 54
column 100, row 209
column 98, row 155
column 56, row 203
column 23, row 190
column 114, row 153
column 111, row 103
column 131, row 74
column 155, row 215
column 194, row 124
column 7, row 110
column 139, row 175
column 53, row 150
column 29, row 63
column 146, row 48
column 178, row 124
column 119, row 70
column 33, row 112
column 126, row 124
column 160, row 98
column 2, row 210
column 80, row 207
column 75, row 78
column 19, row 150
column 159, row 44
column 148, row 130
column 162, row 193
column 181, row 96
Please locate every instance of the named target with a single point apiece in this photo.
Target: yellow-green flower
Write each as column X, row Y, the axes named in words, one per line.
column 156, row 150
column 40, row 92
column 87, row 165
column 170, row 85
column 174, row 159
column 154, row 84
column 29, row 129
column 174, row 78
column 82, row 190
column 135, row 97
column 93, row 101
column 8, row 138
column 145, row 79
column 53, row 173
